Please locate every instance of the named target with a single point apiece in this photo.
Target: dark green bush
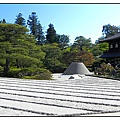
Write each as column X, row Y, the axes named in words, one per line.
column 29, row 73
column 117, row 74
column 1, row 69
column 105, row 69
column 39, row 73
column 44, row 76
column 14, row 73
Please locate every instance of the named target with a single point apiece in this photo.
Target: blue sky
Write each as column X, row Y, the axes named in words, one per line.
column 69, row 19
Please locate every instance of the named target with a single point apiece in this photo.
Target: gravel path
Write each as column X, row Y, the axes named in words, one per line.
column 61, row 97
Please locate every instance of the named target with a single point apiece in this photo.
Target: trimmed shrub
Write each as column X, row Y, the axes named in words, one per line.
column 14, row 72
column 117, row 74
column 29, row 73
column 26, row 72
column 39, row 73
column 42, row 74
column 105, row 69
column 1, row 69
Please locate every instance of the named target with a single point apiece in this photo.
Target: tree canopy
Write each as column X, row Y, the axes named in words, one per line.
column 31, row 51
column 17, row 48
column 51, row 34
column 20, row 20
column 110, row 30
column 82, row 43
column 3, row 21
column 36, row 28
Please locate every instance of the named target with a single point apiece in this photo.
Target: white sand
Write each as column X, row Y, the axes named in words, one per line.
column 63, row 96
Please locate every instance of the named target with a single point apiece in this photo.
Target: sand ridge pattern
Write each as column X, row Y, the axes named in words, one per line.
column 85, row 96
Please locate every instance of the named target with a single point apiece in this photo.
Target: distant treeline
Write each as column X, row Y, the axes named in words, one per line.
column 25, row 50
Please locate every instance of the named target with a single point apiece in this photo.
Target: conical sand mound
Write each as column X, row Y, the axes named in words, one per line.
column 76, row 68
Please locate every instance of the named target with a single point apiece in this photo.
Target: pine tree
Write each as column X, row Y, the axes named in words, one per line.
column 51, row 36
column 110, row 30
column 36, row 28
column 40, row 34
column 20, row 20
column 3, row 21
column 32, row 22
column 18, row 49
column 63, row 41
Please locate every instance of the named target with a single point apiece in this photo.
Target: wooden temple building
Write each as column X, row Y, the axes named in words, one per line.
column 112, row 56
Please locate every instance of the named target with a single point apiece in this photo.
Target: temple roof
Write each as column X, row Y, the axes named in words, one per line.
column 111, row 38
column 110, row 55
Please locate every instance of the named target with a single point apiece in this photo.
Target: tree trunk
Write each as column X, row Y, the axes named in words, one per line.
column 17, row 64
column 7, row 67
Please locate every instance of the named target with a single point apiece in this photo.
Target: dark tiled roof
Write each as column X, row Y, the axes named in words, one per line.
column 110, row 55
column 111, row 38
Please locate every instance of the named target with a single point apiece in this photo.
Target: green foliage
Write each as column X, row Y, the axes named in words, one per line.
column 86, row 57
column 53, row 56
column 43, row 74
column 29, row 73
column 39, row 73
column 105, row 69
column 3, row 21
column 82, row 43
column 27, row 55
column 17, row 48
column 14, row 72
column 32, row 22
column 110, row 30
column 117, row 74
column 1, row 69
column 36, row 28
column 51, row 36
column 80, row 51
column 20, row 20
column 99, row 48
column 40, row 34
column 63, row 41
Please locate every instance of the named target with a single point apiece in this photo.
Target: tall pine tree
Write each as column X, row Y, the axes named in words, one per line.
column 36, row 28
column 110, row 30
column 32, row 22
column 3, row 21
column 51, row 36
column 63, row 41
column 18, row 49
column 20, row 20
column 40, row 34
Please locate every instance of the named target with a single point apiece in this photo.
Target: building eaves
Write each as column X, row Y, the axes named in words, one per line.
column 110, row 55
column 111, row 38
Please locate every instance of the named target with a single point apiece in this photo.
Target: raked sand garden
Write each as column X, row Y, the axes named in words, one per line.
column 83, row 96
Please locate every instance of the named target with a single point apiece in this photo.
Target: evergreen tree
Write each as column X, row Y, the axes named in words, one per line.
column 40, row 34
column 63, row 41
column 51, row 36
column 33, row 22
column 3, row 21
column 36, row 28
column 110, row 30
column 82, row 43
column 18, row 49
column 20, row 20
column 53, row 57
